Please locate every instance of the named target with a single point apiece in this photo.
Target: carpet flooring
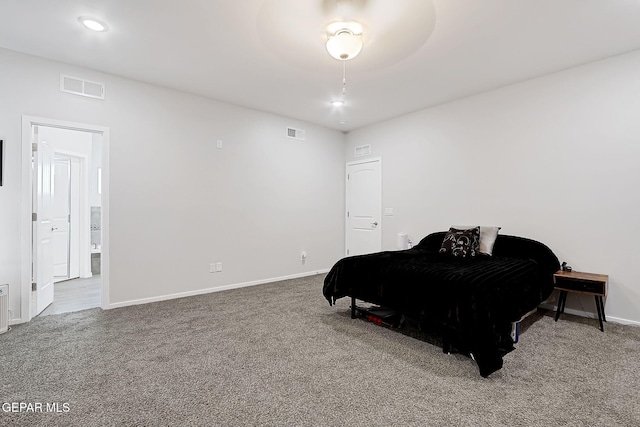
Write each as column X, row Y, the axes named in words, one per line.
column 279, row 355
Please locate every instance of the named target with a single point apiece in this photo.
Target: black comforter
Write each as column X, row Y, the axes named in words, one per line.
column 475, row 298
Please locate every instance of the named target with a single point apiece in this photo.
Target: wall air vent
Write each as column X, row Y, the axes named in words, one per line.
column 363, row 150
column 78, row 86
column 295, row 133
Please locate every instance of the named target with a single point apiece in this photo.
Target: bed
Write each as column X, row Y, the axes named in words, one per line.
column 474, row 299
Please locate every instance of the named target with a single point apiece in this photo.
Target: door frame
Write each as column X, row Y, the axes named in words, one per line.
column 26, row 253
column 346, row 197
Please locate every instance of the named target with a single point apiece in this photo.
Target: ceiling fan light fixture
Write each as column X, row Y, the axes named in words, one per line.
column 344, row 41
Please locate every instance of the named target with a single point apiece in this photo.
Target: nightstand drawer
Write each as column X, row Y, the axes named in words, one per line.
column 580, row 285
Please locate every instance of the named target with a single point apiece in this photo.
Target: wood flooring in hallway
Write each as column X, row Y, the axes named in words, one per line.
column 75, row 295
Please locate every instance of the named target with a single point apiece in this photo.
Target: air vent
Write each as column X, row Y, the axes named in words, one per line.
column 78, row 86
column 363, row 150
column 295, row 133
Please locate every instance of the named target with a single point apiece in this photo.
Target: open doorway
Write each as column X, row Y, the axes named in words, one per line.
column 75, row 217
column 36, row 253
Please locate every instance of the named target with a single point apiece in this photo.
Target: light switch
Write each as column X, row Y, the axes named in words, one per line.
column 388, row 211
column 219, row 143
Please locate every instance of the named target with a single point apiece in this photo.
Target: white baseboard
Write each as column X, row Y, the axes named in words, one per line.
column 623, row 321
column 591, row 315
column 210, row 290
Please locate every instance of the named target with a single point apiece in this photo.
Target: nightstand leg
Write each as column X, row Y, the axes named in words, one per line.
column 600, row 308
column 604, row 318
column 561, row 303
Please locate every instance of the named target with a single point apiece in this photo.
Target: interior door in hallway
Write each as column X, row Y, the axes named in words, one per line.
column 42, row 267
column 61, row 218
column 364, row 207
column 66, row 218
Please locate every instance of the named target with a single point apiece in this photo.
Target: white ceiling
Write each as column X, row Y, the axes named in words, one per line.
column 270, row 54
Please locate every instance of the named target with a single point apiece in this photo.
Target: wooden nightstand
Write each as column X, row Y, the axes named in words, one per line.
column 584, row 283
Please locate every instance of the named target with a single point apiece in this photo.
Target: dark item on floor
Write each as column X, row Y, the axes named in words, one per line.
column 382, row 316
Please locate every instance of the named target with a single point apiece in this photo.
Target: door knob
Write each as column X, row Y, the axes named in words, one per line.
column 54, row 228
column 374, row 224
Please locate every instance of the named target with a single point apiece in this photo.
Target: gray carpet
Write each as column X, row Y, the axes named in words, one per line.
column 277, row 354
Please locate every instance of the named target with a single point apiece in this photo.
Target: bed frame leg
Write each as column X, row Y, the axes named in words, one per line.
column 353, row 307
column 446, row 344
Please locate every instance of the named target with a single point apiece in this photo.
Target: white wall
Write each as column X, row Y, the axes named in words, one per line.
column 79, row 143
column 67, row 141
column 555, row 159
column 177, row 203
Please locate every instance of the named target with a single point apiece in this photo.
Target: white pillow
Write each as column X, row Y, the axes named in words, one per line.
column 488, row 236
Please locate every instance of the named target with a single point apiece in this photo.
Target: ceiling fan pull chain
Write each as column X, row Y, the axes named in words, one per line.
column 344, row 77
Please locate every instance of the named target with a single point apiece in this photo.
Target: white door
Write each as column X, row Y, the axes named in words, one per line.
column 61, row 219
column 364, row 207
column 43, row 192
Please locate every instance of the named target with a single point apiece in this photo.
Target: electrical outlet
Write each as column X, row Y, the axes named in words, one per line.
column 218, row 266
column 212, row 267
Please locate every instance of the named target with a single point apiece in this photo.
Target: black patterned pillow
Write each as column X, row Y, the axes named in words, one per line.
column 461, row 243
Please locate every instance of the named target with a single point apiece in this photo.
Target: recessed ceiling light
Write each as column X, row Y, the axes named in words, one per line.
column 93, row 23
column 337, row 103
